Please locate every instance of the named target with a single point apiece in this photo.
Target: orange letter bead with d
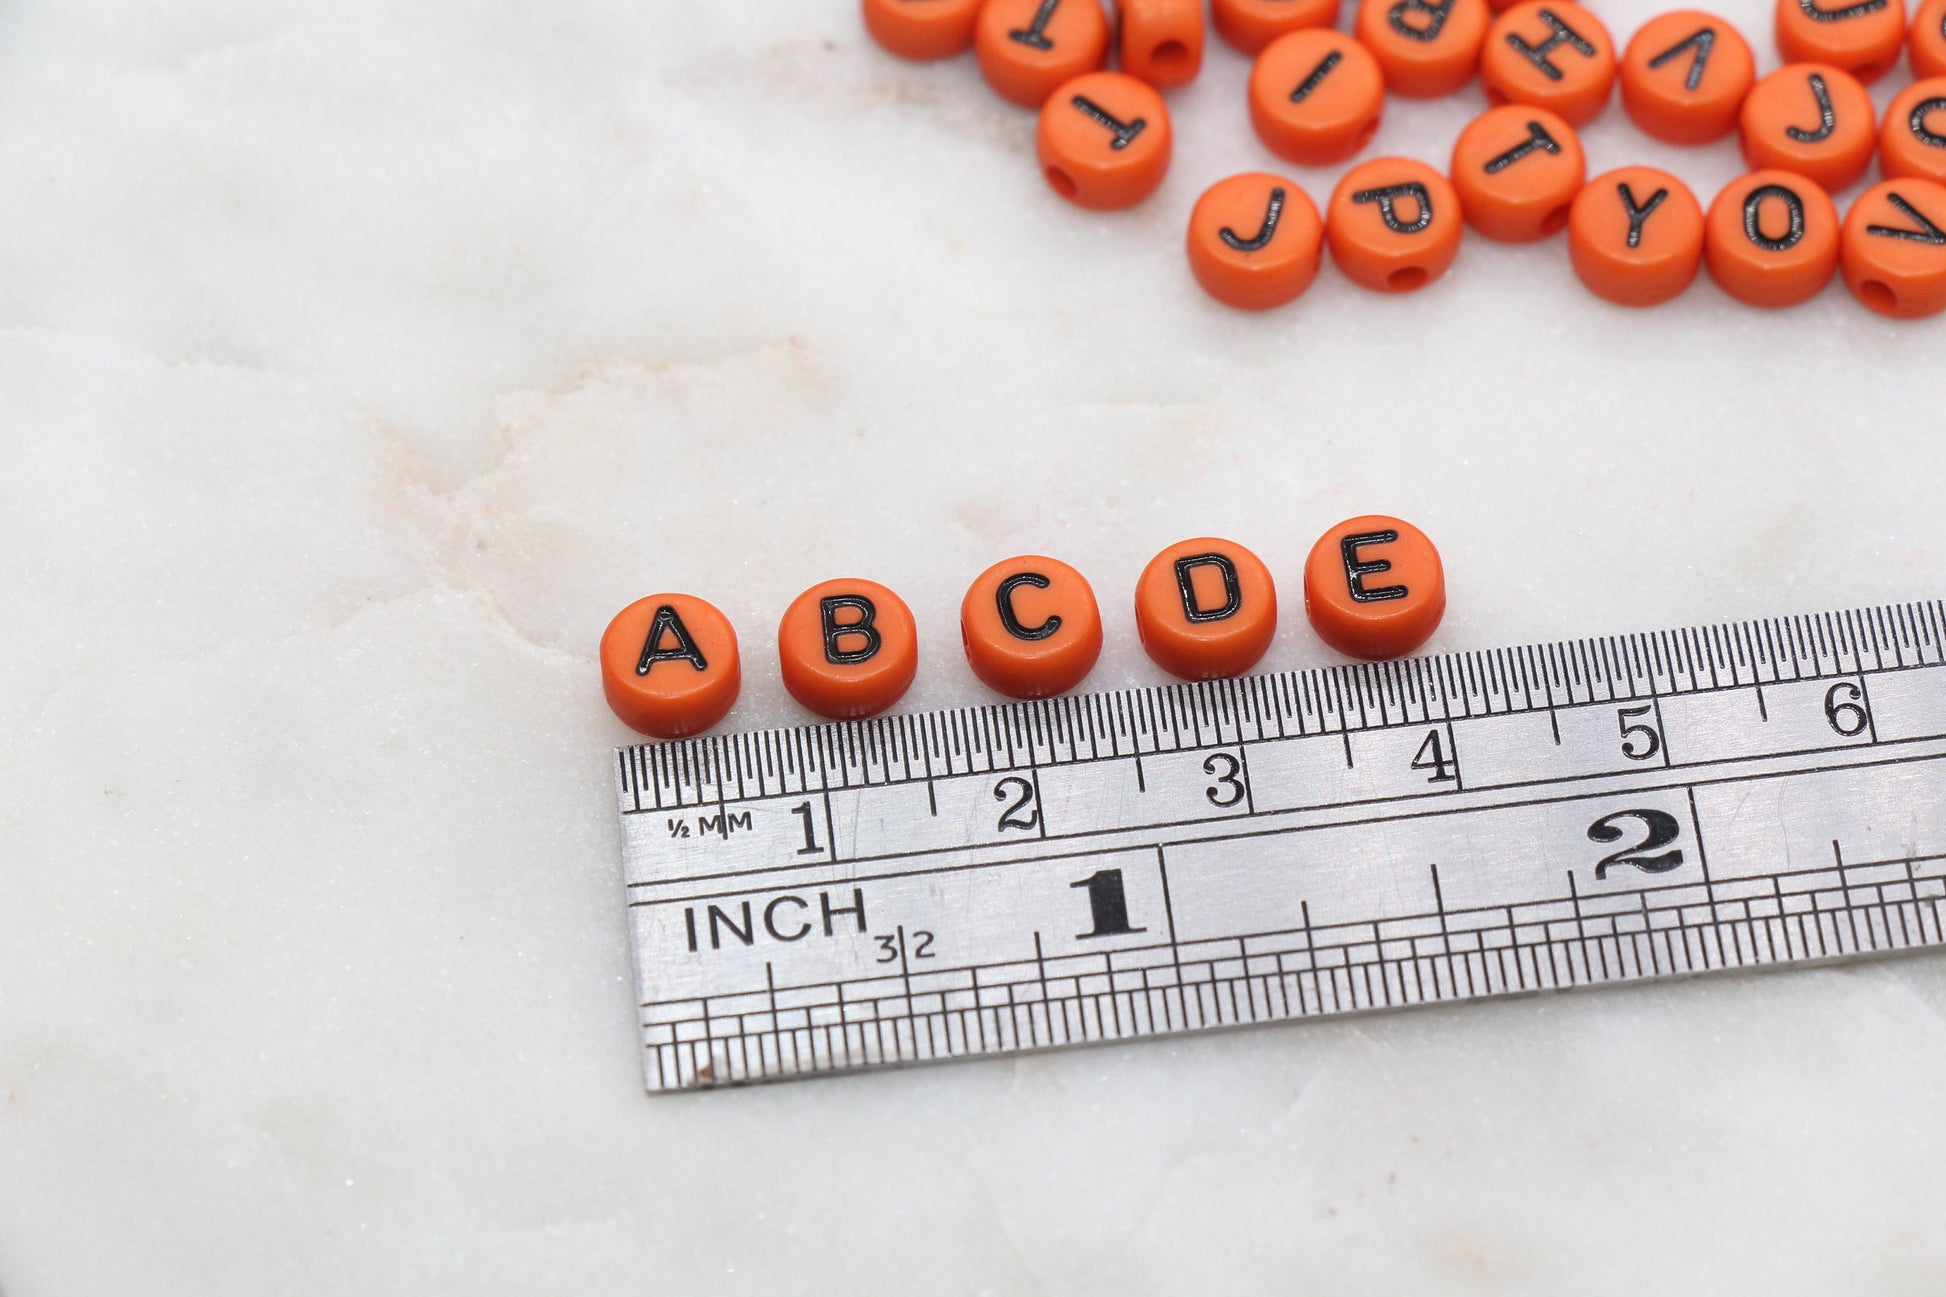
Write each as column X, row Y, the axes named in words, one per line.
column 848, row 648
column 1374, row 587
column 1104, row 141
column 669, row 665
column 1206, row 609
column 1031, row 627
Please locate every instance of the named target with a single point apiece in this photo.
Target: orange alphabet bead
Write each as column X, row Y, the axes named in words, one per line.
column 1162, row 40
column 1517, row 170
column 669, row 665
column 1771, row 239
column 1393, row 224
column 1550, row 54
column 1104, row 140
column 1684, row 76
column 1031, row 627
column 1894, row 248
column 1249, row 25
column 922, row 29
column 1255, row 241
column 848, row 648
column 1206, row 609
column 1424, row 48
column 1813, row 119
column 1315, row 96
column 1927, row 42
column 1635, row 236
column 1913, row 140
column 1028, row 48
column 1861, row 36
column 1374, row 587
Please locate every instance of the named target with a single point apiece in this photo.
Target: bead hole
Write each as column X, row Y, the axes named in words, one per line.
column 1063, row 183
column 1867, row 73
column 1405, row 279
column 1171, row 58
column 1878, row 296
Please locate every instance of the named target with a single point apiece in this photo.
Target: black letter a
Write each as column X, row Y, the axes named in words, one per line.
column 668, row 622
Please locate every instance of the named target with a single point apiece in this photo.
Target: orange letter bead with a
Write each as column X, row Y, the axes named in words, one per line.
column 1813, row 119
column 848, row 648
column 669, row 665
column 1771, row 239
column 1104, row 141
column 1206, row 609
column 1374, row 587
column 1894, row 248
column 1249, row 25
column 1315, row 97
column 1861, row 36
column 1027, row 48
column 1162, row 41
column 1031, row 627
column 1517, row 170
column 1552, row 55
column 1928, row 40
column 922, row 29
column 1425, row 48
column 1684, row 76
column 1913, row 140
column 1635, row 236
column 1393, row 224
column 1255, row 241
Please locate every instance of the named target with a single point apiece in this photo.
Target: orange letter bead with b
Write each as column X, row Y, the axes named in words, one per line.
column 1104, row 141
column 1684, row 76
column 922, row 29
column 1393, row 224
column 1913, row 140
column 1162, row 41
column 1374, row 587
column 848, row 648
column 1813, row 119
column 1771, row 239
column 1861, row 36
column 1206, row 609
column 1550, row 54
column 669, row 665
column 1894, row 248
column 1425, row 48
column 1031, row 627
column 1027, row 48
column 1255, row 241
column 1517, row 170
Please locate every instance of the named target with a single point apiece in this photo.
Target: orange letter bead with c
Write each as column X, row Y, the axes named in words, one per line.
column 848, row 648
column 1031, row 627
column 1206, row 609
column 669, row 665
column 1027, row 48
column 1255, row 241
column 1374, row 587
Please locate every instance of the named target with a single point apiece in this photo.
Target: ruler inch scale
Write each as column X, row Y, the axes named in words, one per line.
column 1147, row 861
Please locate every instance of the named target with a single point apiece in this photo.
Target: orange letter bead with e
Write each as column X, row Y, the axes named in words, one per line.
column 848, row 648
column 1913, row 140
column 1894, row 248
column 1255, row 241
column 1517, row 170
column 1249, row 25
column 1771, row 239
column 1928, row 40
column 669, row 665
column 1162, row 41
column 1635, row 236
column 922, row 29
column 1374, row 587
column 1861, row 36
column 1031, row 627
column 1684, row 76
column 1813, row 119
column 1425, row 48
column 1393, row 224
column 1206, row 609
column 1027, row 48
column 1550, row 54
column 1104, row 141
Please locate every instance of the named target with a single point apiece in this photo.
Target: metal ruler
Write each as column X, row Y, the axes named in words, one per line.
column 1150, row 861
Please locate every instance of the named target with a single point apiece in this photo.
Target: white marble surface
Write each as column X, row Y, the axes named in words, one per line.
column 358, row 361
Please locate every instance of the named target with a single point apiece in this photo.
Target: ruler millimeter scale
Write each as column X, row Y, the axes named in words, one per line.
column 1149, row 861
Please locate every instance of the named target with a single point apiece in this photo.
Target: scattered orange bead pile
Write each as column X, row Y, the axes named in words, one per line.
column 1204, row 609
column 1636, row 235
